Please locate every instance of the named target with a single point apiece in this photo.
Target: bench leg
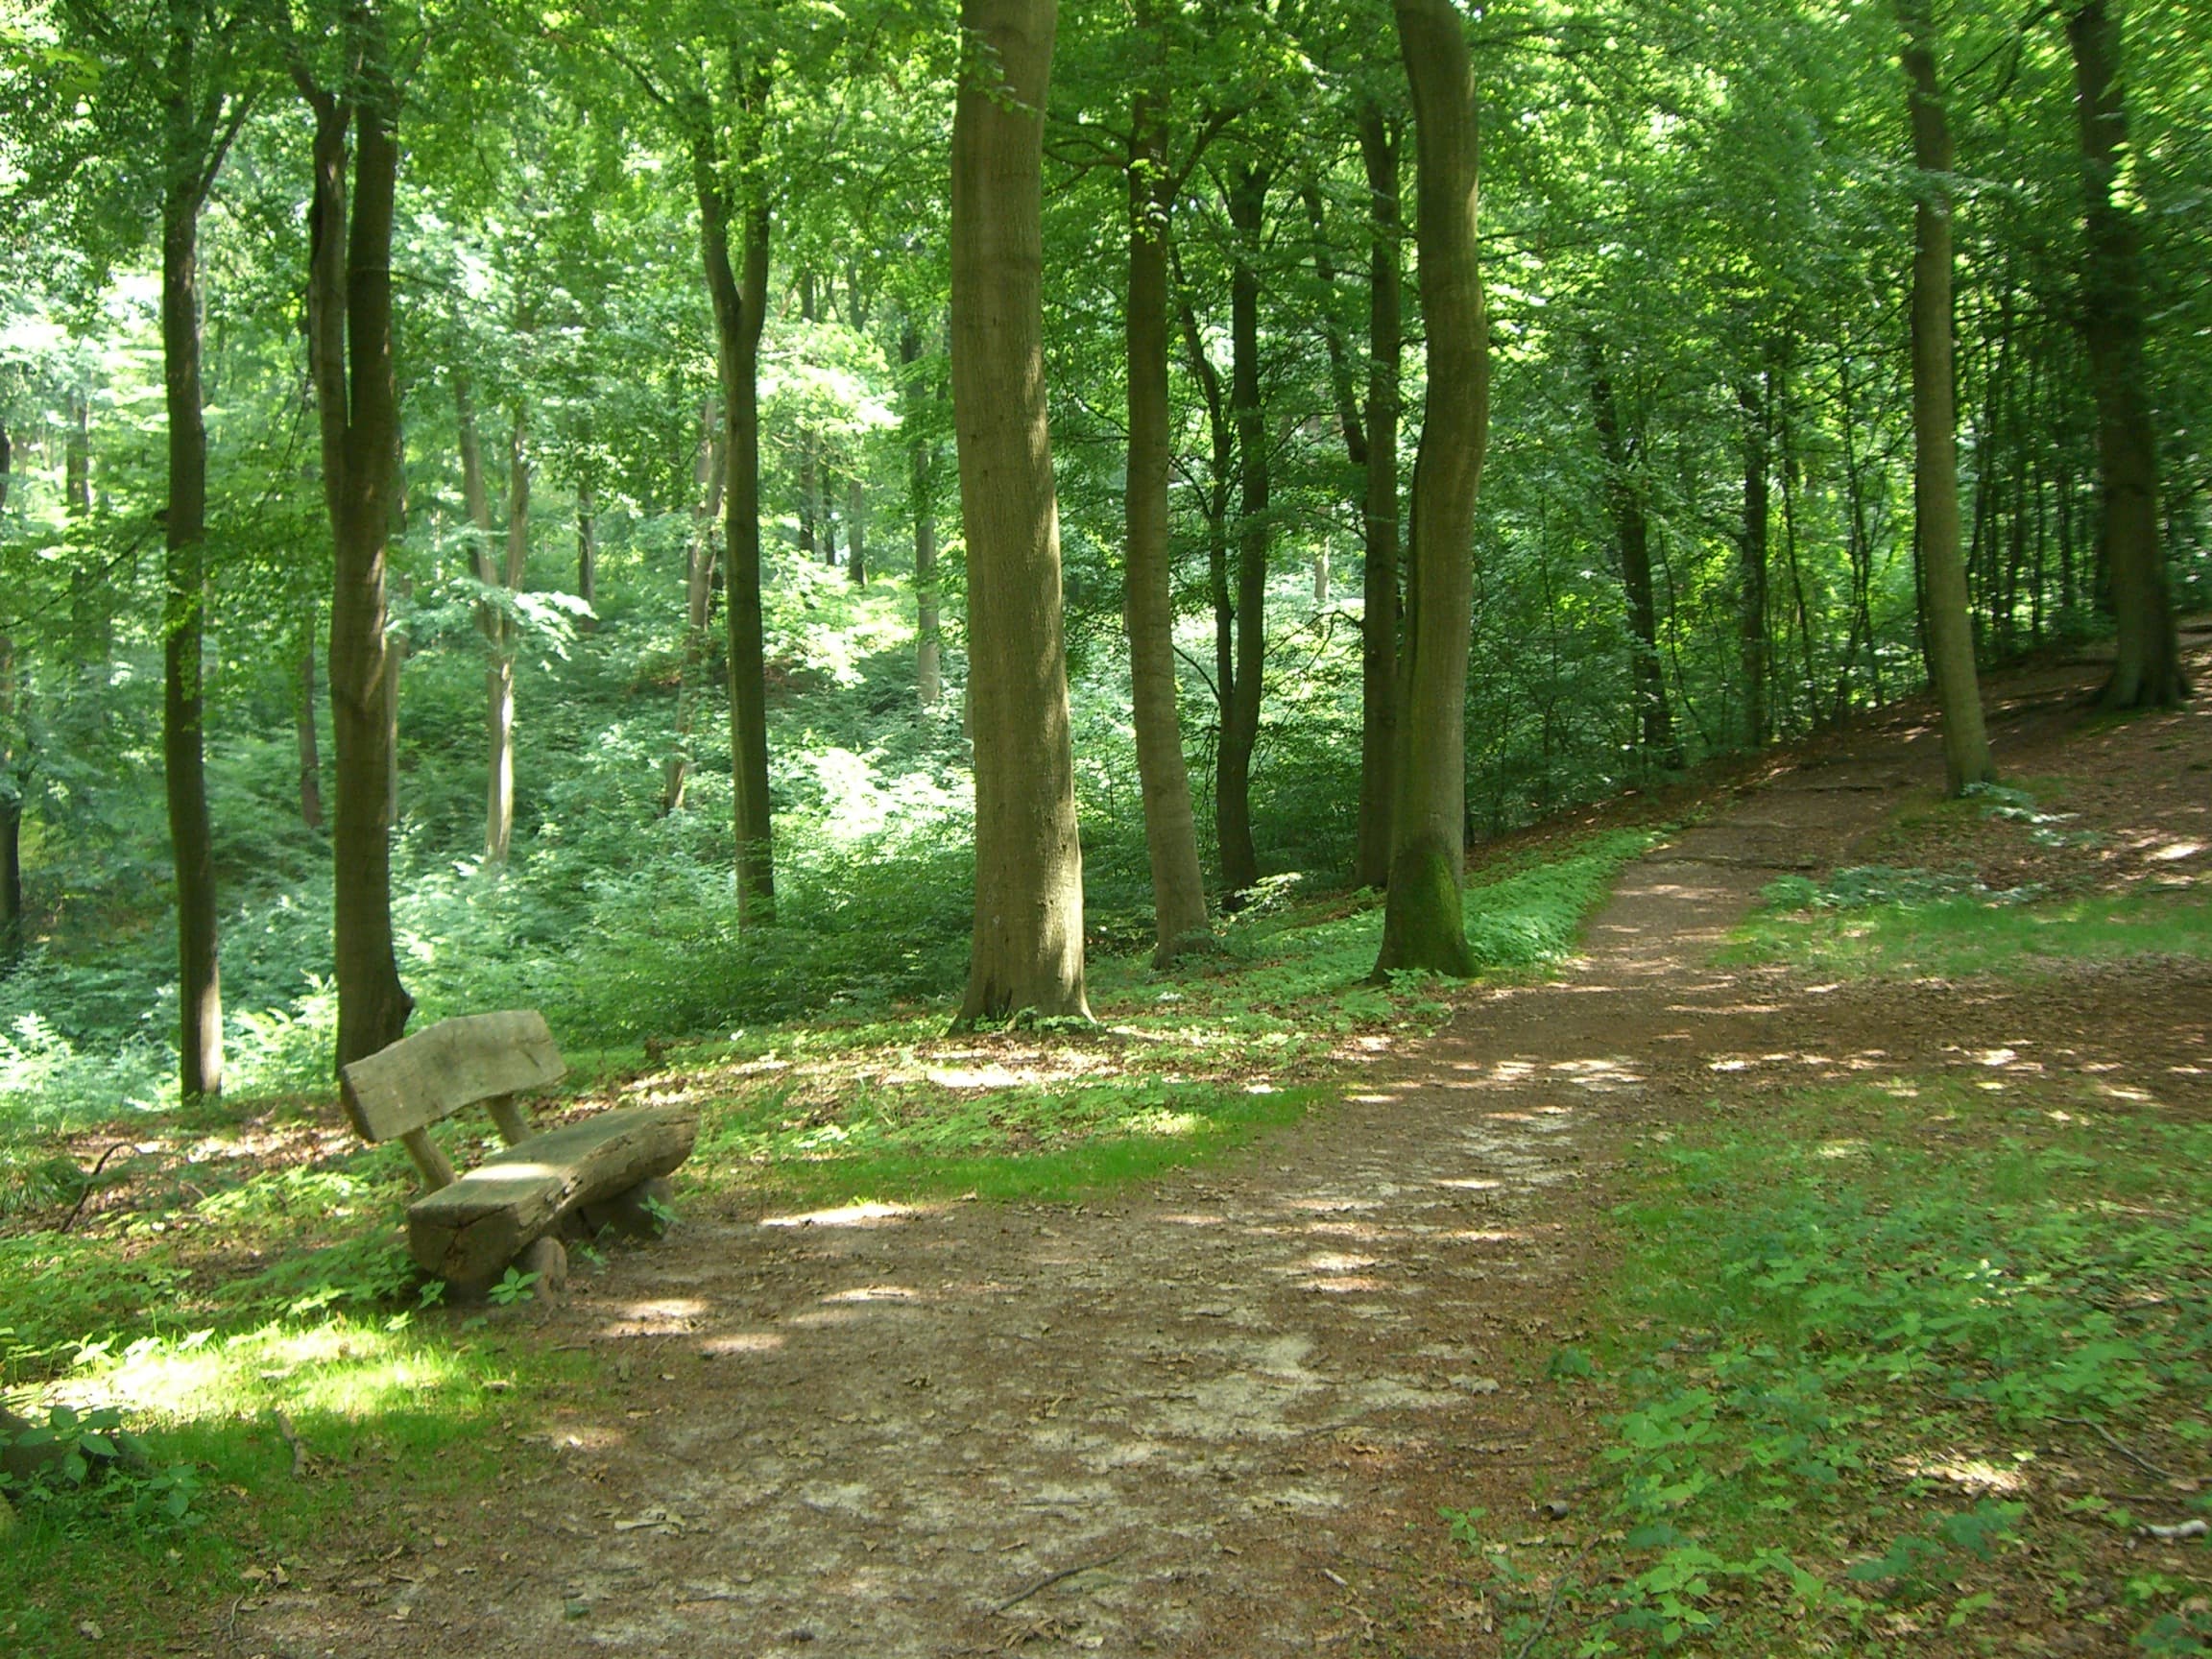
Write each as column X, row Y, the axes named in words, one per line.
column 630, row 1211
column 548, row 1259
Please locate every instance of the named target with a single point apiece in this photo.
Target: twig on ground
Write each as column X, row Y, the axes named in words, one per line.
column 2106, row 1434
column 300, row 1458
column 1051, row 1579
column 1551, row 1605
column 77, row 1208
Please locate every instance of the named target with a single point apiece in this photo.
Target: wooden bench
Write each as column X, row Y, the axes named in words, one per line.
column 610, row 1169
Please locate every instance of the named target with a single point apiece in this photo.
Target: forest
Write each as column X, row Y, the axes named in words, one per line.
column 1007, row 603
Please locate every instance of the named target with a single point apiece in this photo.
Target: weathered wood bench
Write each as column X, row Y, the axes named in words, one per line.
column 610, row 1169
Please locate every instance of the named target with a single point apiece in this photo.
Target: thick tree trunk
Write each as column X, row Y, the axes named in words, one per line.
column 1423, row 920
column 1028, row 938
column 1255, row 529
column 1950, row 635
column 184, row 587
column 922, row 503
column 1149, row 607
column 2147, row 667
column 741, row 298
column 1379, row 149
column 1632, row 537
column 1751, row 396
column 356, row 395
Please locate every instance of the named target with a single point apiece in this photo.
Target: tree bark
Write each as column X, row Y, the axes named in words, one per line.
column 1950, row 633
column 1028, row 931
column 856, row 531
column 1751, row 396
column 11, row 802
column 1254, row 528
column 310, row 752
column 922, row 503
column 740, row 300
column 492, row 620
column 193, row 153
column 587, row 545
column 1149, row 607
column 710, row 477
column 1423, row 920
column 1379, row 153
column 2147, row 667
column 357, row 396
column 1633, row 538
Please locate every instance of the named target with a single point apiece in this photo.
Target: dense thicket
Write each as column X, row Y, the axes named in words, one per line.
column 656, row 467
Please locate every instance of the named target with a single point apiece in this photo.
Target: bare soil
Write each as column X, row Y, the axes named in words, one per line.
column 1217, row 1415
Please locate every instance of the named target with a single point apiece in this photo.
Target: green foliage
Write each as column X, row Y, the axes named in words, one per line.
column 1862, row 1287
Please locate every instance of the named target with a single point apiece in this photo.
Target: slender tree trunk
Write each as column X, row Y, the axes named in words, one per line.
column 922, row 503
column 856, row 531
column 741, row 298
column 1149, row 607
column 11, row 802
column 2147, row 667
column 587, row 545
column 1255, row 529
column 810, row 462
column 492, row 621
column 311, row 748
column 183, row 703
column 1751, row 579
column 1950, row 633
column 1632, row 536
column 357, row 396
column 710, row 474
column 1216, row 509
column 1028, row 938
column 1378, row 151
column 1423, row 921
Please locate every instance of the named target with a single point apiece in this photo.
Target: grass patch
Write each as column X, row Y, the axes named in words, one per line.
column 1872, row 920
column 1867, row 1367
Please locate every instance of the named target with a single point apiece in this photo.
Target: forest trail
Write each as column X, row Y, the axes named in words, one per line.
column 1216, row 1415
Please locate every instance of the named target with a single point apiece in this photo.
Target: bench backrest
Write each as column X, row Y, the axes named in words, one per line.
column 422, row 1080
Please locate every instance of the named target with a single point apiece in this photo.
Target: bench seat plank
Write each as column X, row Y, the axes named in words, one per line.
column 466, row 1234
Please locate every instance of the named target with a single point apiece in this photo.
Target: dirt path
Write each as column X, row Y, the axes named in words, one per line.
column 1214, row 1416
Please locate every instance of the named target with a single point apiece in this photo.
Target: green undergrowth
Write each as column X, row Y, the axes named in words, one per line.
column 1887, row 1365
column 1872, row 920
column 1184, row 1064
column 231, row 1278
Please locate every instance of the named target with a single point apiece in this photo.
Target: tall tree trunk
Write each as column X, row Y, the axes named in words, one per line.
column 922, row 503
column 1028, row 933
column 710, row 477
column 810, row 457
column 1216, row 509
column 1935, row 417
column 2147, row 667
column 185, row 571
column 741, row 297
column 1751, row 399
column 90, row 631
column 856, row 531
column 11, row 802
column 1254, row 528
column 1632, row 537
column 587, row 543
column 1149, row 607
column 356, row 398
column 1423, row 921
column 304, row 729
column 1378, row 151
column 492, row 621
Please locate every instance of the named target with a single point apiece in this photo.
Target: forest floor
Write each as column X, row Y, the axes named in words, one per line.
column 1219, row 1412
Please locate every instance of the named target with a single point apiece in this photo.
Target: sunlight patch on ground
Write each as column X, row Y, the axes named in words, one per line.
column 342, row 1370
column 1331, row 1262
column 868, row 1214
column 876, row 1293
column 1973, row 1475
column 741, row 1342
column 1468, row 1183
